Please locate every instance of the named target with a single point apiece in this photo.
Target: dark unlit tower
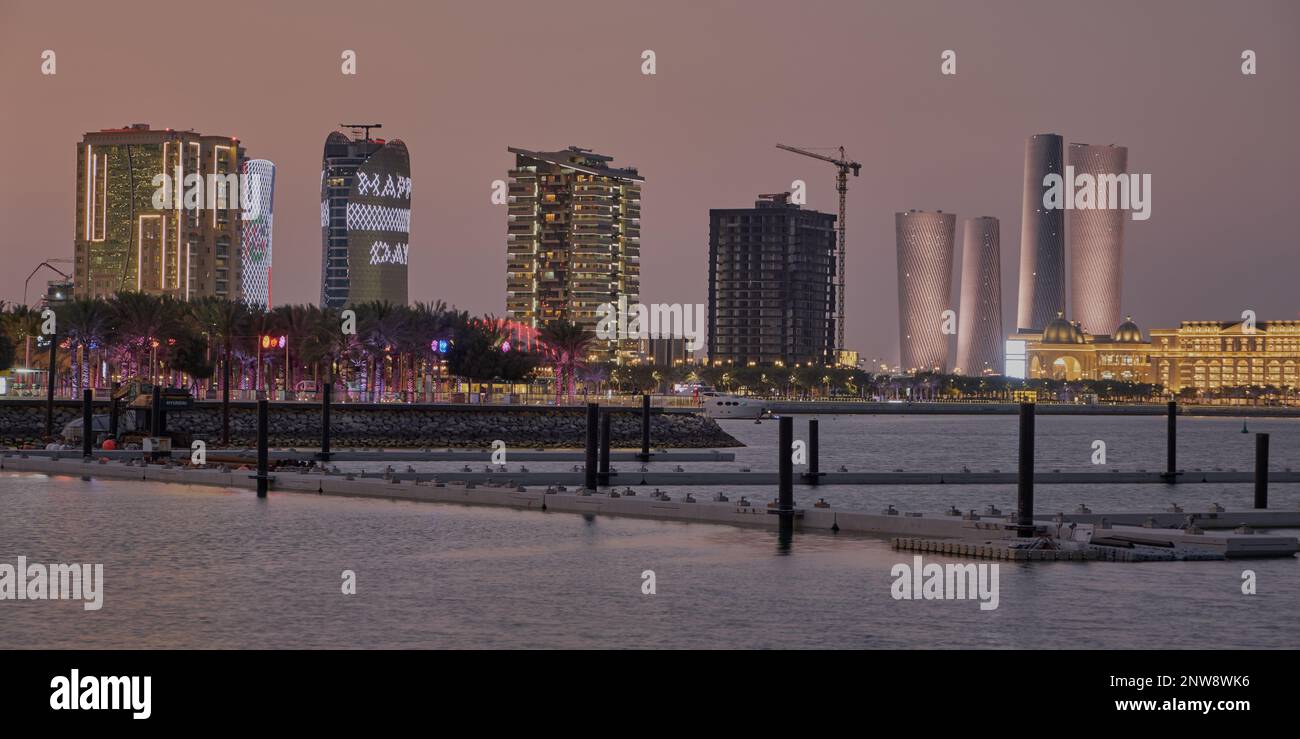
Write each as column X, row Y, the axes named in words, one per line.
column 1042, row 237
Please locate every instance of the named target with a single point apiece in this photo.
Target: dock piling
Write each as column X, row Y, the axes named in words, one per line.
column 327, row 398
column 49, row 385
column 1261, row 471
column 263, row 477
column 1025, row 486
column 785, row 486
column 155, row 405
column 593, row 420
column 1171, row 443
column 602, row 477
column 112, row 410
column 87, row 422
column 645, row 428
column 813, row 447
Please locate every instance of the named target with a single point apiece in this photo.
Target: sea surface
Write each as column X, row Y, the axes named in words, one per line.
column 197, row 567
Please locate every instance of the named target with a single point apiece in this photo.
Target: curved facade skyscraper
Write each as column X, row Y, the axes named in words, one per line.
column 925, row 252
column 979, row 332
column 1097, row 242
column 1042, row 238
column 255, row 248
column 365, row 217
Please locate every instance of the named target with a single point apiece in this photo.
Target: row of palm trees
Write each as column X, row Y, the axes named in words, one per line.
column 379, row 351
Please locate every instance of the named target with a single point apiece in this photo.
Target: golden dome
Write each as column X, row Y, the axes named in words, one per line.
column 1061, row 331
column 1128, row 332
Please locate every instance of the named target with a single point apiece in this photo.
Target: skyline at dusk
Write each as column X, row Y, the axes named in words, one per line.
column 732, row 79
column 960, row 332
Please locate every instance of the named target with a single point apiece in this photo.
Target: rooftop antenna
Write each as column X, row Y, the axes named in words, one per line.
column 363, row 128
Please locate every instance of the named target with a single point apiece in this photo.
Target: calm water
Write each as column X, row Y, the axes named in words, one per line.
column 201, row 567
column 984, row 444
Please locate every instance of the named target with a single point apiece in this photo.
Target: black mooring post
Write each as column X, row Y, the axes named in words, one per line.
column 326, row 398
column 112, row 411
column 87, row 422
column 263, row 476
column 49, row 386
column 603, row 476
column 1261, row 471
column 785, row 448
column 1025, row 488
column 593, row 421
column 1171, row 443
column 225, row 400
column 645, row 428
column 813, row 471
column 155, row 411
column 785, row 485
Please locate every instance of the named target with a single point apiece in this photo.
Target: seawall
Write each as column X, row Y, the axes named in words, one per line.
column 1008, row 409
column 393, row 425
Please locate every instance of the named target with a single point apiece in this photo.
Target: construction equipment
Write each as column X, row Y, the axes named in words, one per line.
column 361, row 129
column 843, row 165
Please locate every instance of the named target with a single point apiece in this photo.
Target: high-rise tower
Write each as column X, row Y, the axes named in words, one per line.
column 184, row 243
column 772, row 284
column 1097, row 239
column 979, row 332
column 255, row 253
column 925, row 252
column 1042, row 237
column 573, row 241
column 365, row 218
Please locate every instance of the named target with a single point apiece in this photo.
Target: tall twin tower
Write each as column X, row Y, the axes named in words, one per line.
column 925, row 266
column 1096, row 241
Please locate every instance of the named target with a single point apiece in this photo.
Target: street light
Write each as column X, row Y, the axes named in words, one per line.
column 269, row 342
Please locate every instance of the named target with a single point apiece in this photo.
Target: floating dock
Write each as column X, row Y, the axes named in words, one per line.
column 400, row 455
column 970, row 528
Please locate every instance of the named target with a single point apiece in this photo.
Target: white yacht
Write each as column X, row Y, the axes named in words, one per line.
column 718, row 405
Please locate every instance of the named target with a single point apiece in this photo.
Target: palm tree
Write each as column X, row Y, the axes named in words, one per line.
column 382, row 328
column 429, row 322
column 86, row 324
column 325, row 345
column 224, row 321
column 142, row 322
column 295, row 322
column 565, row 344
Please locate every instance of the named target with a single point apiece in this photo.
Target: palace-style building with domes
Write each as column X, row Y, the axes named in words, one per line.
column 1204, row 355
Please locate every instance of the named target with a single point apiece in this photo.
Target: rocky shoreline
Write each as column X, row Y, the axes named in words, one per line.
column 22, row 423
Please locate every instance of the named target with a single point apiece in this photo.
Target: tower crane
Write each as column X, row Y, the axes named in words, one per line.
column 843, row 166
